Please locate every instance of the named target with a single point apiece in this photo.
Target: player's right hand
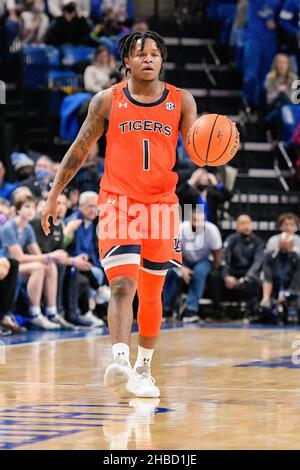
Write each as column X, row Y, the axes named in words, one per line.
column 49, row 210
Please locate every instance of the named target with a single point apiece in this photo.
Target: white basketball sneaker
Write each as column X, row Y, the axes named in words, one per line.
column 119, row 378
column 144, row 383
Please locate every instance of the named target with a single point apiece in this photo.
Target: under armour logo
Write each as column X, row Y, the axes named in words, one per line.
column 177, row 245
column 121, row 105
column 111, row 201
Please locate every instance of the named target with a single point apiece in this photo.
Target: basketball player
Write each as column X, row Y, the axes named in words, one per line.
column 144, row 117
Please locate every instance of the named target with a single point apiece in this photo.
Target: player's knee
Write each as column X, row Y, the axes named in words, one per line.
column 123, row 287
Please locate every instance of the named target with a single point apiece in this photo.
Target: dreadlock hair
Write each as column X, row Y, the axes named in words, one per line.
column 128, row 42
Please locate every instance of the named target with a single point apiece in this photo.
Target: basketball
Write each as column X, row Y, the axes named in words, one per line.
column 213, row 140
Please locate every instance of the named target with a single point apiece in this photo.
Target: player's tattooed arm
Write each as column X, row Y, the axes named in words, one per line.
column 188, row 113
column 91, row 130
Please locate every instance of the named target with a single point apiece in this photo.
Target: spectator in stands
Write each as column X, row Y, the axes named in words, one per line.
column 289, row 20
column 76, row 285
column 20, row 192
column 6, row 189
column 55, row 7
column 23, row 165
column 35, row 22
column 85, row 242
column 12, row 29
column 121, row 10
column 39, row 183
column 242, row 262
column 226, row 10
column 57, row 241
column 279, row 81
column 4, row 211
column 97, row 76
column 205, row 188
column 88, row 176
column 140, row 25
column 8, row 284
column 237, row 39
column 201, row 249
column 261, row 38
column 107, row 31
column 39, row 270
column 279, row 89
column 281, row 268
column 287, row 223
column 69, row 28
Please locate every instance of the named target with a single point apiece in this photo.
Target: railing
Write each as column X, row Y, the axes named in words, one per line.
column 283, row 157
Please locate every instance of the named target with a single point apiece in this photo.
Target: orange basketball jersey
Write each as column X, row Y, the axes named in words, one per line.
column 141, row 146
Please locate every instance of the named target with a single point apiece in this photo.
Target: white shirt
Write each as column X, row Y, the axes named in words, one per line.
column 95, row 78
column 197, row 246
column 273, row 244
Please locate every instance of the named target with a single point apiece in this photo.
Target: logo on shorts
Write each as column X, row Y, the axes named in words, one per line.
column 170, row 106
column 177, row 245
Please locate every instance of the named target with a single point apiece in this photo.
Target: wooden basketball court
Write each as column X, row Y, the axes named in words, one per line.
column 222, row 388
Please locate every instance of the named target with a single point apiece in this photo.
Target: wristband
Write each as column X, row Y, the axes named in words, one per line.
column 73, row 267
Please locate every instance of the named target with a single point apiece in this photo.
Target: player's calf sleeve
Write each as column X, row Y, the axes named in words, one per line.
column 150, row 304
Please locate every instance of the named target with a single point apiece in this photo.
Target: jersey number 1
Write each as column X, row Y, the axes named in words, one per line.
column 146, row 154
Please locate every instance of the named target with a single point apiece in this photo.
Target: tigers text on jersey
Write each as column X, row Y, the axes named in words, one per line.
column 141, row 146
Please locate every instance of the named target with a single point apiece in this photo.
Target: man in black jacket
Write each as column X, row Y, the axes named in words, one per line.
column 69, row 28
column 242, row 261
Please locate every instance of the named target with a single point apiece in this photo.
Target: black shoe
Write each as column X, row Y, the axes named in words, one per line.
column 167, row 315
column 79, row 320
column 4, row 331
column 190, row 316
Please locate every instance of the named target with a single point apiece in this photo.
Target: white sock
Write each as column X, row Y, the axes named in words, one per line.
column 144, row 357
column 51, row 311
column 34, row 311
column 120, row 349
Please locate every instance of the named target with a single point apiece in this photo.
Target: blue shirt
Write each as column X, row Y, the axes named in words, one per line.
column 259, row 12
column 290, row 17
column 10, row 235
column 7, row 189
column 85, row 238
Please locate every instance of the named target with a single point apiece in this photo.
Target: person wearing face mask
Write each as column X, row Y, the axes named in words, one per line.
column 210, row 193
column 241, row 264
column 40, row 183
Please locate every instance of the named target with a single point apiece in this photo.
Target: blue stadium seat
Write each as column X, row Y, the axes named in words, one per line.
column 37, row 61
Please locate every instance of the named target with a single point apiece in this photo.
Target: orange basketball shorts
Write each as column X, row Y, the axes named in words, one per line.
column 134, row 235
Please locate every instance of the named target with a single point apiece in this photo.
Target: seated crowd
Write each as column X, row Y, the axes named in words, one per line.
column 57, row 282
